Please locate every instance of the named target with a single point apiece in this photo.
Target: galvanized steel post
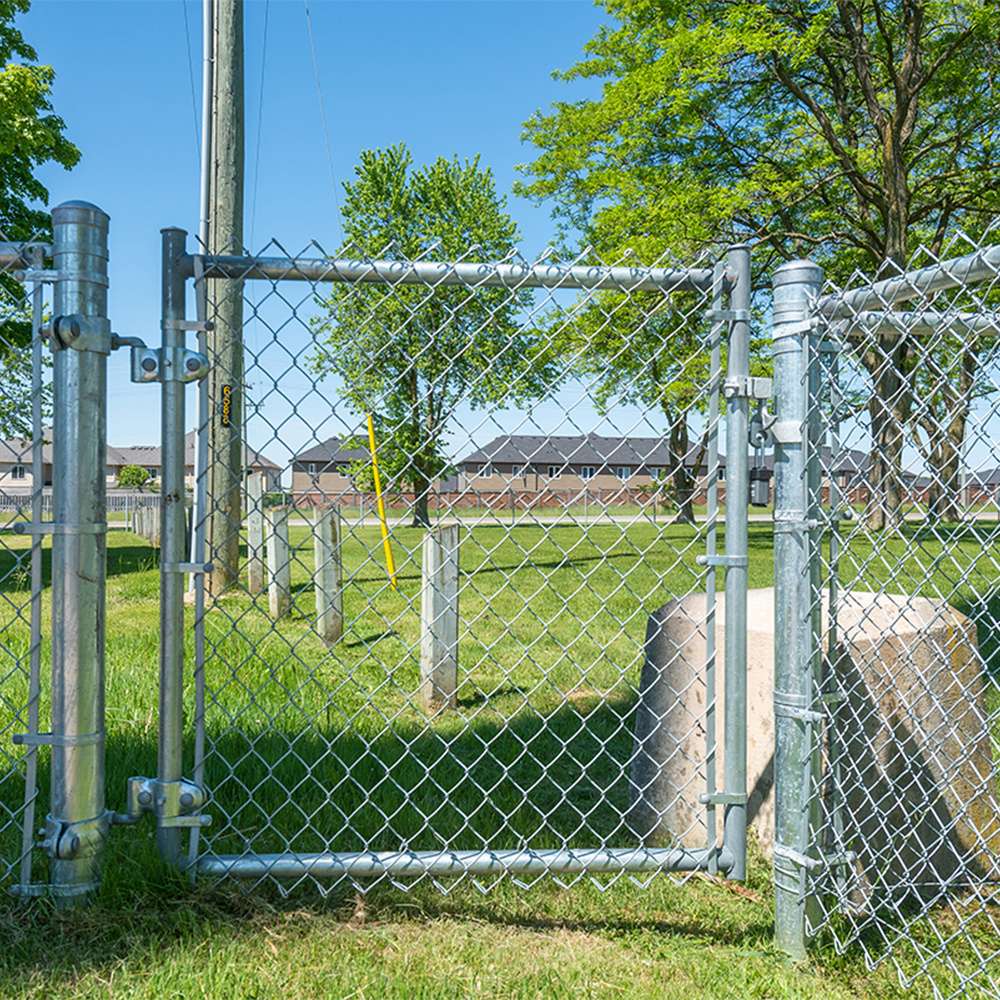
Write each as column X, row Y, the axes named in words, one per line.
column 172, row 543
column 77, row 824
column 737, row 561
column 796, row 286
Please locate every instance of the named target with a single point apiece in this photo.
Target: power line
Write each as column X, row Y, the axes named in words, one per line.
column 260, row 121
column 194, row 99
column 322, row 111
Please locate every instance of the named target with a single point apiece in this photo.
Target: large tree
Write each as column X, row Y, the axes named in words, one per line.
column 851, row 132
column 30, row 135
column 410, row 354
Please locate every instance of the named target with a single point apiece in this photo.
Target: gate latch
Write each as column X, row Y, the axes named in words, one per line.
column 747, row 387
column 171, row 802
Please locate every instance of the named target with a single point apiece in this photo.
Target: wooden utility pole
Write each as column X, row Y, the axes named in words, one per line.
column 226, row 446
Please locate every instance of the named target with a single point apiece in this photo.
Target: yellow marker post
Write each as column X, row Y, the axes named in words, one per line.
column 381, row 506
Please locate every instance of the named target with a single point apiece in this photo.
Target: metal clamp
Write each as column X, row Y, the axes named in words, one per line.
column 732, row 562
column 171, row 802
column 728, row 315
column 158, row 364
column 58, row 528
column 197, row 325
column 35, row 274
column 82, row 333
column 64, row 841
column 791, row 706
column 186, row 567
column 795, row 329
column 54, row 740
column 723, row 798
column 747, row 387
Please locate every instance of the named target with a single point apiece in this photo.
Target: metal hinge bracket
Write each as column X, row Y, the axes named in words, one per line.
column 171, row 802
column 723, row 798
column 158, row 364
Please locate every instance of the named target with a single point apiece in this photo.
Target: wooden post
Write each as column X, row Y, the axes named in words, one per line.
column 225, row 341
column 329, row 576
column 255, row 533
column 279, row 565
column 439, row 619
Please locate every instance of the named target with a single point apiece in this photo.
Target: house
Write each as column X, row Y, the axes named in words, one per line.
column 16, row 463
column 537, row 463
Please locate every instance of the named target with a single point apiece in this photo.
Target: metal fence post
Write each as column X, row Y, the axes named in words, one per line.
column 734, row 826
column 172, row 543
column 77, row 824
column 796, row 599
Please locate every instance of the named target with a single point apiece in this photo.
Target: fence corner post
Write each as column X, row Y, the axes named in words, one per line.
column 795, row 285
column 78, row 823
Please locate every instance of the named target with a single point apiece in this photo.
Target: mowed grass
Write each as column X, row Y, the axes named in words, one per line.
column 313, row 748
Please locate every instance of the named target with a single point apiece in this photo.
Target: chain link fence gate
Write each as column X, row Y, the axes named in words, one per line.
column 886, row 528
column 436, row 504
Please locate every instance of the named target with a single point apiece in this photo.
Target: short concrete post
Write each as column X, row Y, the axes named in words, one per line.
column 255, row 533
column 329, row 578
column 439, row 619
column 279, row 566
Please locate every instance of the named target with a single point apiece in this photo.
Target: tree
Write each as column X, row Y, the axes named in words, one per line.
column 852, row 131
column 30, row 135
column 133, row 477
column 409, row 355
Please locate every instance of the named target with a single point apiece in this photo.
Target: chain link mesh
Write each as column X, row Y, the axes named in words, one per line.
column 906, row 807
column 565, row 432
column 25, row 395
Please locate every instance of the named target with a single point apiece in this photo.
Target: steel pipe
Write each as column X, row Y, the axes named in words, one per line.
column 467, row 275
column 410, row 864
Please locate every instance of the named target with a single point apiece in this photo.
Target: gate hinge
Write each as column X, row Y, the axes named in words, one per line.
column 165, row 364
column 82, row 333
column 64, row 841
column 171, row 802
column 747, row 387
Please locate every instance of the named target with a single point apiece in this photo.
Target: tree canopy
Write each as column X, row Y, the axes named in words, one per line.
column 30, row 134
column 851, row 131
column 410, row 354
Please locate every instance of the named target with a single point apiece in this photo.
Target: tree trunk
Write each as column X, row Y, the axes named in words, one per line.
column 682, row 480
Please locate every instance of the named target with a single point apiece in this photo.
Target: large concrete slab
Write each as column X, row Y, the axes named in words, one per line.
column 914, row 754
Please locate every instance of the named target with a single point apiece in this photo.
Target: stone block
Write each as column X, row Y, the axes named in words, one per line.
column 914, row 749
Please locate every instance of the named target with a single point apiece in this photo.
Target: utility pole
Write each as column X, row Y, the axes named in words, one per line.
column 226, row 445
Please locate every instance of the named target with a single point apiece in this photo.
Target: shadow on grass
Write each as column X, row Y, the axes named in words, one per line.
column 122, row 559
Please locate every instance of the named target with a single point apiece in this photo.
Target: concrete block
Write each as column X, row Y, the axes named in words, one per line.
column 915, row 758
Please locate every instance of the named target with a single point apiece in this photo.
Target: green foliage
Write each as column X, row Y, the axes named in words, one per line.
column 30, row 135
column 133, row 477
column 409, row 355
column 851, row 132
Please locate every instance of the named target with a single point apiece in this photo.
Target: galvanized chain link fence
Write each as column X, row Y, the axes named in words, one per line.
column 440, row 502
column 905, row 827
column 25, row 400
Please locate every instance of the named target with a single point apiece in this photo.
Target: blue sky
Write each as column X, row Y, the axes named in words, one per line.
column 444, row 77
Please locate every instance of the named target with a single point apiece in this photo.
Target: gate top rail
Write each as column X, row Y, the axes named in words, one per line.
column 466, row 274
column 983, row 265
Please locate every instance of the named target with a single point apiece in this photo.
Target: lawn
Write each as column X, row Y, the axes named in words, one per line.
column 313, row 748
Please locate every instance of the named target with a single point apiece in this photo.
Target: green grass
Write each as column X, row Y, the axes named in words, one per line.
column 314, row 748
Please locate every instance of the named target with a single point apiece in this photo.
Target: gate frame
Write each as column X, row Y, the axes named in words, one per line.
column 178, row 266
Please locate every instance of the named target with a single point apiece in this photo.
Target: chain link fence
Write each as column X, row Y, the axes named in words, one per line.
column 25, row 400
column 904, row 824
column 440, row 503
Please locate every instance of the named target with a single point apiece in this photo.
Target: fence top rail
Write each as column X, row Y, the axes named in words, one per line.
column 468, row 274
column 983, row 265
